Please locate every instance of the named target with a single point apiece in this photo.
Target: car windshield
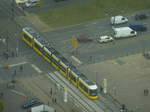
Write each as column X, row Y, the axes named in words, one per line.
column 32, row 2
column 123, row 18
column 132, row 32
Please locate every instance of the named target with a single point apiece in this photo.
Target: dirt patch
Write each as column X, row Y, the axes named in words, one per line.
column 41, row 26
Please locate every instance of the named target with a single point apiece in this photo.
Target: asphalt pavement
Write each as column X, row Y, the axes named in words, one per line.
column 92, row 29
column 61, row 39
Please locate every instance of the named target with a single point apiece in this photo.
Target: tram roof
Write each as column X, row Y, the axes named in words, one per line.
column 76, row 71
column 36, row 35
column 32, row 32
column 42, row 41
column 58, row 55
column 45, row 43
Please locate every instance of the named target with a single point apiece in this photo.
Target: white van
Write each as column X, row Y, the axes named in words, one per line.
column 118, row 20
column 124, row 32
column 105, row 38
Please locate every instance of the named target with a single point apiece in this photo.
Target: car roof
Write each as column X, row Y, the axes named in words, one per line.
column 118, row 16
column 122, row 29
column 104, row 37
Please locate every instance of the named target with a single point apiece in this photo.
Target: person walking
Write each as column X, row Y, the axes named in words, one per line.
column 146, row 92
column 21, row 68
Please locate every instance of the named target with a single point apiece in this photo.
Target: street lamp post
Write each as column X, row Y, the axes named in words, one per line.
column 7, row 43
column 17, row 45
column 17, row 48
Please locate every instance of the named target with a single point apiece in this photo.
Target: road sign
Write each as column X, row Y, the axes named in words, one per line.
column 74, row 42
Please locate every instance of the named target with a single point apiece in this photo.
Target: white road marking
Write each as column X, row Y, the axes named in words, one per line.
column 18, row 93
column 36, row 68
column 76, row 59
column 13, row 65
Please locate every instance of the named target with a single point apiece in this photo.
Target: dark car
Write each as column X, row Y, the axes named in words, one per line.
column 83, row 38
column 147, row 55
column 30, row 103
column 140, row 16
column 138, row 27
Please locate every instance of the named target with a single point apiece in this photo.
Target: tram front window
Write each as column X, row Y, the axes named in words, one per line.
column 93, row 92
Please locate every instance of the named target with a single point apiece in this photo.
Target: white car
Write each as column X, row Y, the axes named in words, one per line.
column 31, row 3
column 118, row 20
column 104, row 39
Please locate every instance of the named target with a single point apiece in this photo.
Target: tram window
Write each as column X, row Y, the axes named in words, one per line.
column 46, row 54
column 27, row 37
column 41, row 50
column 93, row 92
column 83, row 87
column 73, row 77
column 37, row 46
column 62, row 68
column 55, row 62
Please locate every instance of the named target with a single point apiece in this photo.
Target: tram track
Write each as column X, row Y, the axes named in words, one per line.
column 91, row 104
column 104, row 107
column 44, row 90
column 33, row 85
column 115, row 105
column 56, row 79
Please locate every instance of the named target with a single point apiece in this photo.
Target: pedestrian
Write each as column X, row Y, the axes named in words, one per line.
column 146, row 92
column 51, row 91
column 12, row 54
column 21, row 67
column 6, row 55
column 123, row 108
column 15, row 72
column 101, row 89
column 90, row 58
column 48, row 103
column 55, row 100
column 1, row 94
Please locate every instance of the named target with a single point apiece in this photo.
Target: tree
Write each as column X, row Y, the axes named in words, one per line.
column 1, row 106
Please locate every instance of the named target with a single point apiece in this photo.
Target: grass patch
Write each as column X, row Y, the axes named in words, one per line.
column 89, row 11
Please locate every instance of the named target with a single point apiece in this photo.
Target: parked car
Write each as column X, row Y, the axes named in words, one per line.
column 140, row 16
column 118, row 20
column 31, row 3
column 146, row 55
column 105, row 38
column 30, row 103
column 138, row 27
column 83, row 38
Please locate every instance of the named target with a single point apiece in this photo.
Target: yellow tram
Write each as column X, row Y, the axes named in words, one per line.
column 33, row 39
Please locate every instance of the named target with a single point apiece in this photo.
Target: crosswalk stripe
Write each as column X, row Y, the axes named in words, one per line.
column 36, row 68
column 13, row 65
